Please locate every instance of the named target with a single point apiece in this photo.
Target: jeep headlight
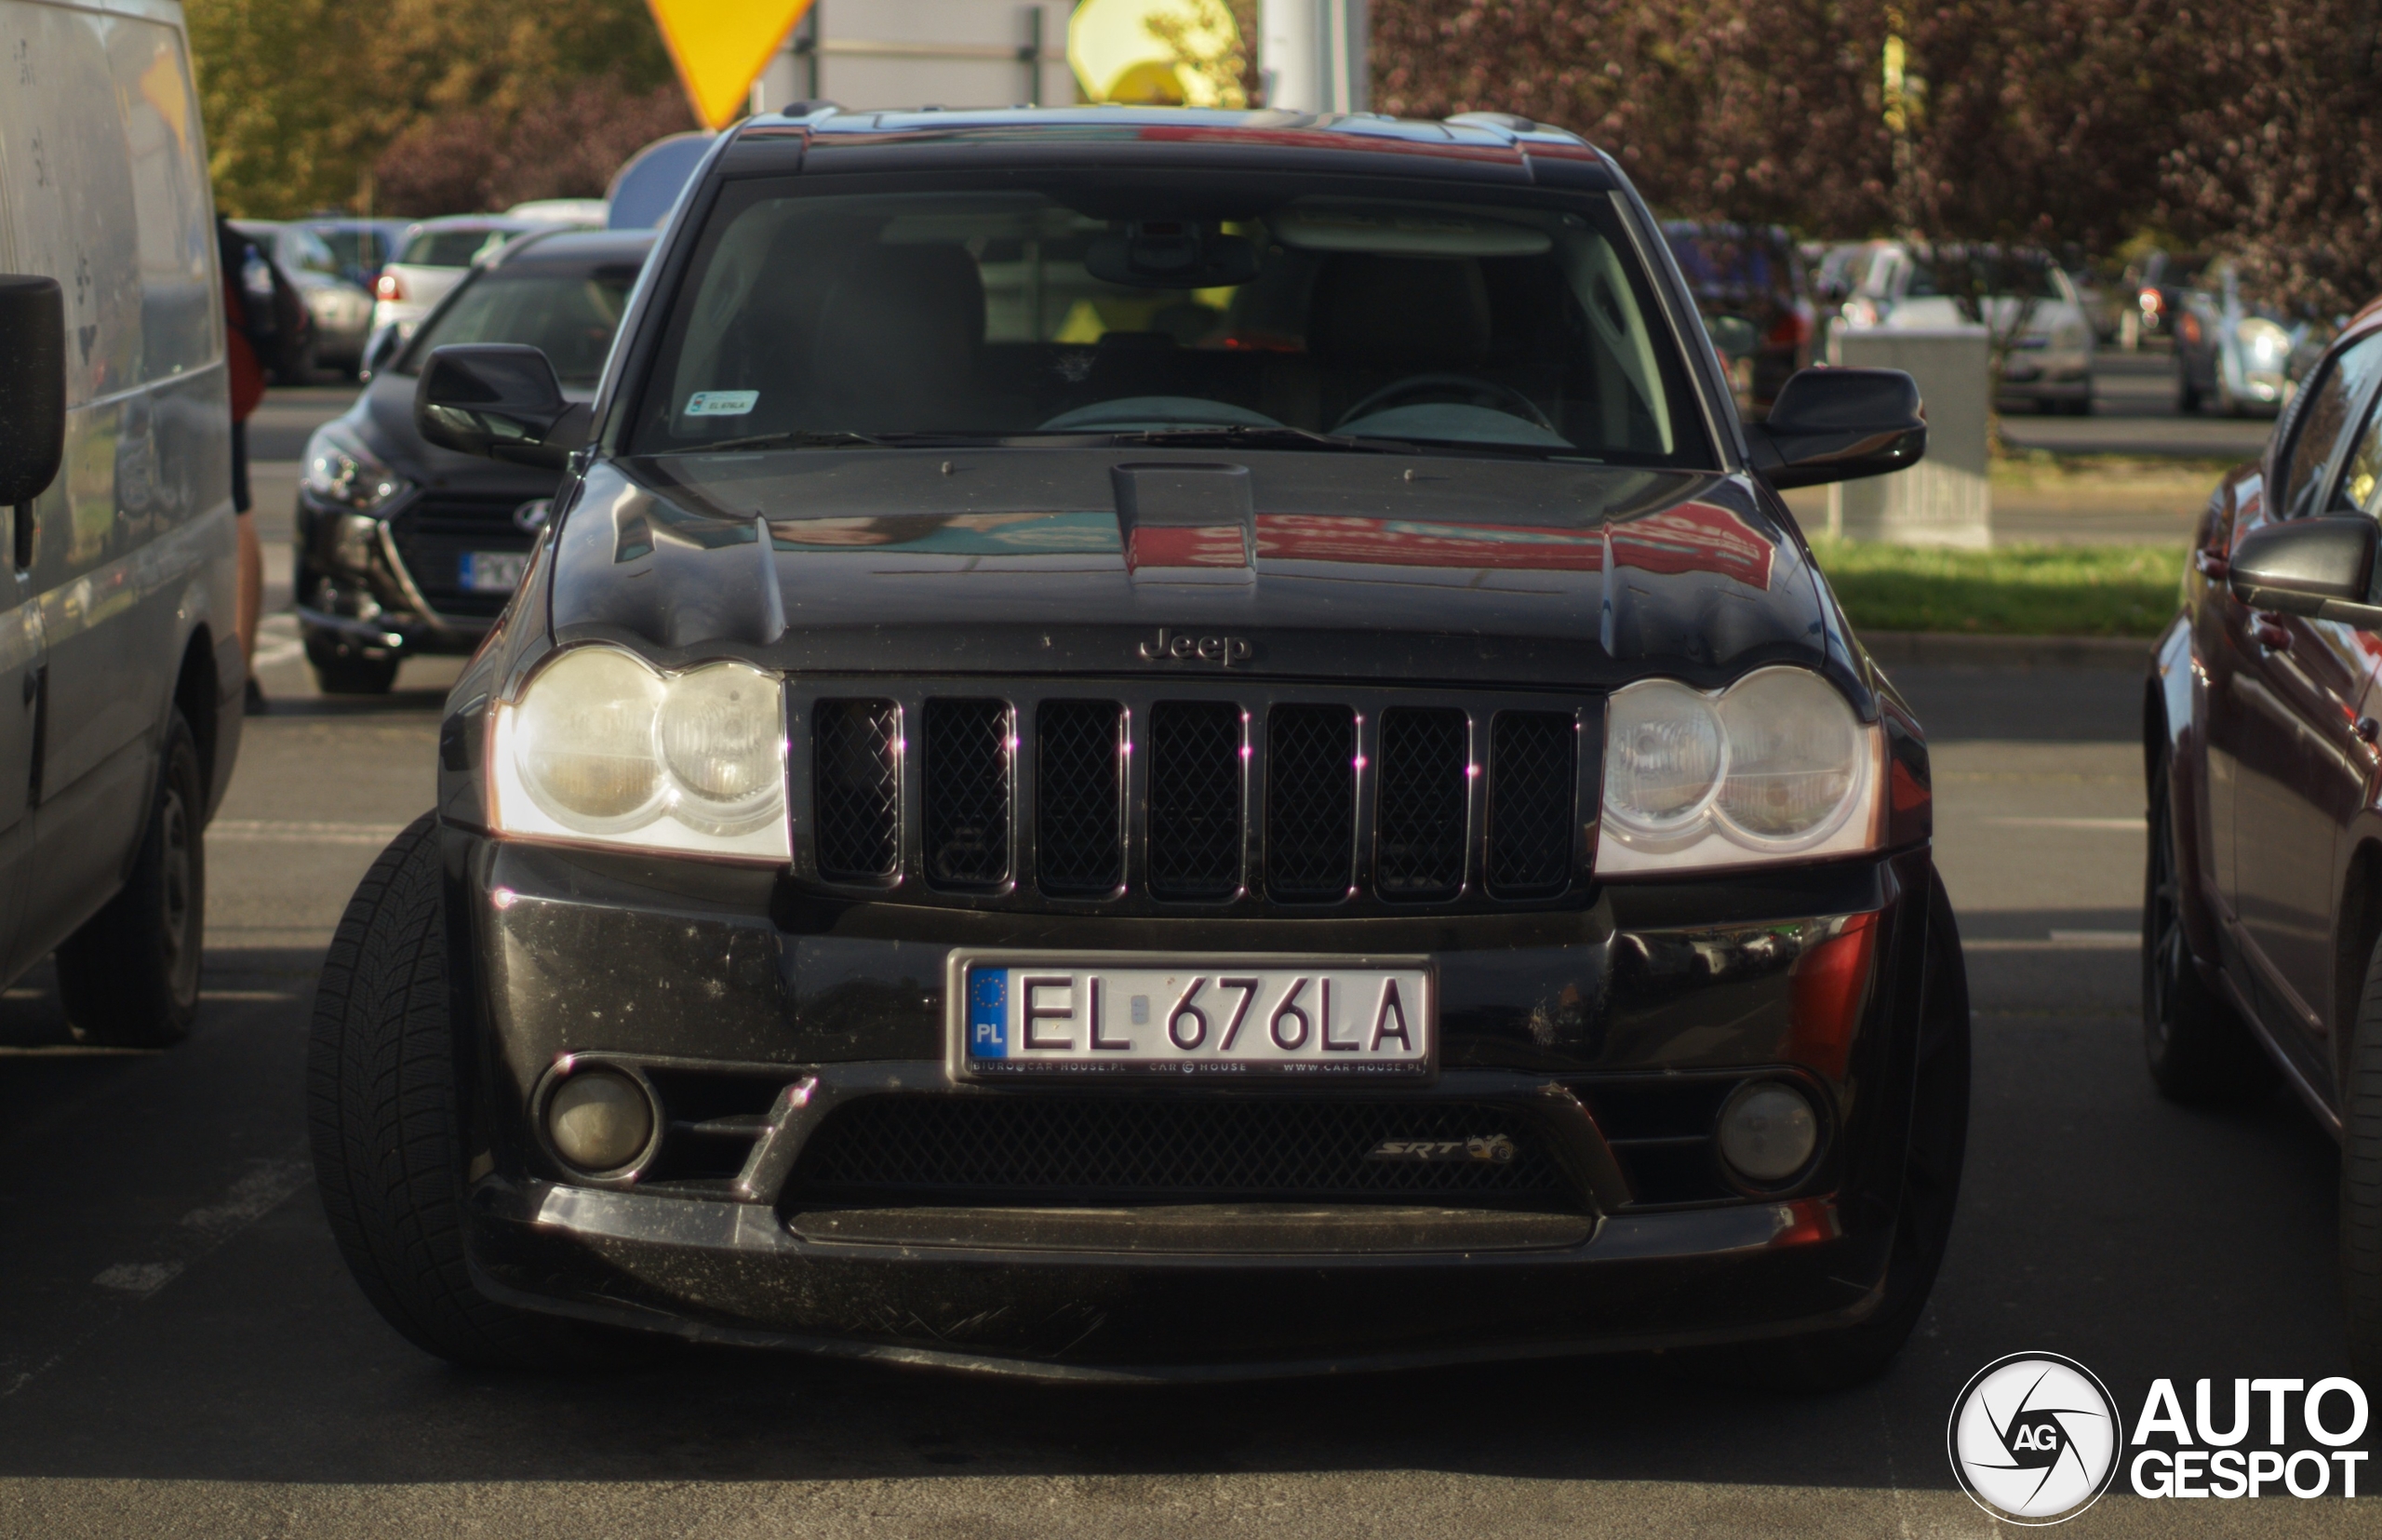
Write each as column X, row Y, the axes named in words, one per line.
column 1774, row 766
column 342, row 471
column 600, row 747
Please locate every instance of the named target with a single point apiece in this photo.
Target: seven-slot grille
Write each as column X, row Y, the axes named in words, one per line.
column 1239, row 798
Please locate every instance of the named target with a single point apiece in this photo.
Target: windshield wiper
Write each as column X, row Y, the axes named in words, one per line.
column 1247, row 432
column 794, row 438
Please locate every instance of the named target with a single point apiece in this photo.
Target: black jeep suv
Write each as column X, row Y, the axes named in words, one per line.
column 1159, row 744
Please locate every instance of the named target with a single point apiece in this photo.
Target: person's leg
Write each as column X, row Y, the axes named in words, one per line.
column 251, row 603
column 251, row 586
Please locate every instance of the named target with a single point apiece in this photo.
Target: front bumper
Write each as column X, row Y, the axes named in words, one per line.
column 358, row 593
column 765, row 1014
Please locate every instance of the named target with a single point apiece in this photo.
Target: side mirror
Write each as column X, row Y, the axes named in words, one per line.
column 500, row 401
column 2318, row 567
column 1840, row 424
column 33, row 385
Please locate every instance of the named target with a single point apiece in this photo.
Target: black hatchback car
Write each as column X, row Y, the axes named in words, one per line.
column 1159, row 744
column 2262, row 919
column 404, row 548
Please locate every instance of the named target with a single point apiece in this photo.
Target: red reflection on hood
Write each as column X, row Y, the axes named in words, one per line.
column 1693, row 537
column 1415, row 542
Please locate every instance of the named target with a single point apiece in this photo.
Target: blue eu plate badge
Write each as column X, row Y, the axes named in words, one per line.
column 988, row 1013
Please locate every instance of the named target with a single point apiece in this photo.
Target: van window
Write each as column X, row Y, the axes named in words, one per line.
column 174, row 240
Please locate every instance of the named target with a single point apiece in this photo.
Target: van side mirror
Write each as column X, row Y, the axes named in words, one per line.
column 500, row 401
column 33, row 385
column 1840, row 424
column 2322, row 568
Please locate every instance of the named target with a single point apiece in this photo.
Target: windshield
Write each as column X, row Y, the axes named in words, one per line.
column 451, row 247
column 1262, row 307
column 571, row 318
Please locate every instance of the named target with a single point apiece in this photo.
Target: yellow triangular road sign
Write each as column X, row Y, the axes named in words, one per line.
column 721, row 47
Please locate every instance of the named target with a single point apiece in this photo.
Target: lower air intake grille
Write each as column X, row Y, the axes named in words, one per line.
column 1530, row 780
column 967, row 793
column 1194, row 800
column 1422, row 795
column 859, row 772
column 1079, row 797
column 1039, row 1149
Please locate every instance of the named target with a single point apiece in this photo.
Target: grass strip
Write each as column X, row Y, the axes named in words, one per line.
column 2011, row 591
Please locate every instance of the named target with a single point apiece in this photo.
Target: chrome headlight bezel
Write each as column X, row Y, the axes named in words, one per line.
column 1709, row 838
column 673, row 817
column 339, row 470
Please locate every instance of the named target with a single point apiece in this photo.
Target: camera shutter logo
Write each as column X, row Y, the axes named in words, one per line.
column 2035, row 1439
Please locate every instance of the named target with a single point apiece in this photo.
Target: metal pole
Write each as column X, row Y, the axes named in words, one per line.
column 1313, row 55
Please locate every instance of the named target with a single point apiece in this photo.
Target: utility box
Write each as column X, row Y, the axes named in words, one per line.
column 923, row 53
column 1947, row 499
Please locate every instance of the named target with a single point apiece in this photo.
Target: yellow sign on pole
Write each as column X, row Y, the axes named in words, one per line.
column 721, row 46
column 1157, row 52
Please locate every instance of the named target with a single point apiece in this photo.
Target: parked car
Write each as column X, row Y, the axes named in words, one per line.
column 120, row 664
column 2262, row 911
column 360, row 246
column 2031, row 305
column 2157, row 280
column 433, row 258
column 1750, row 288
column 403, row 548
column 2233, row 354
column 1067, row 791
column 341, row 310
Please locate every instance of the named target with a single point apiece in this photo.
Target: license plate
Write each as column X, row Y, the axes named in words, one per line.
column 493, row 571
column 1268, row 1016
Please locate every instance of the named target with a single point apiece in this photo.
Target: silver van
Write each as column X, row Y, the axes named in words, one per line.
column 120, row 664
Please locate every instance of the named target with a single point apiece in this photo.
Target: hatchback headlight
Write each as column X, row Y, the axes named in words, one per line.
column 340, row 470
column 600, row 747
column 2267, row 343
column 1774, row 766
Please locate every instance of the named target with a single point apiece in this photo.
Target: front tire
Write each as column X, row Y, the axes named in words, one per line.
column 130, row 977
column 2199, row 1051
column 342, row 673
column 383, row 1114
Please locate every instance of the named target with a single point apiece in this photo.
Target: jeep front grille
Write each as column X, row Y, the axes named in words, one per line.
column 1217, row 796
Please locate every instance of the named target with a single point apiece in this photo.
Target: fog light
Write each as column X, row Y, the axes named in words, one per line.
column 1768, row 1131
column 599, row 1120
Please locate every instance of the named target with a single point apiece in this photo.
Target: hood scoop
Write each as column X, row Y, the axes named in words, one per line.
column 1186, row 524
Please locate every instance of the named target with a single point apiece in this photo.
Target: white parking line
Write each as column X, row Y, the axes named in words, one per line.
column 2128, row 826
column 253, row 831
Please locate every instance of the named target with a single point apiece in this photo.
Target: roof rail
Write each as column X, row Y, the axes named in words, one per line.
column 1513, row 123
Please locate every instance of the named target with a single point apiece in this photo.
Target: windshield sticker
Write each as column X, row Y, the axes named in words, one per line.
column 722, row 403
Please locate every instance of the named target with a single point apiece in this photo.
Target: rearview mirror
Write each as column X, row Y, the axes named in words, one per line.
column 1840, row 424
column 33, row 385
column 2322, row 568
column 500, row 401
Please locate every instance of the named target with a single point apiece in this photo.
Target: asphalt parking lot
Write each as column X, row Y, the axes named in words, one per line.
column 182, row 1354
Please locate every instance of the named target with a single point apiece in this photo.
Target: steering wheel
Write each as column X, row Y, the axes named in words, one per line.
column 1506, row 399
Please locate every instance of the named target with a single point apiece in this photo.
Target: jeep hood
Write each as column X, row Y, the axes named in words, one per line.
column 1107, row 561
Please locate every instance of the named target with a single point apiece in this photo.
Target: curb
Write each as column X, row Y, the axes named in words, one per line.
column 1953, row 650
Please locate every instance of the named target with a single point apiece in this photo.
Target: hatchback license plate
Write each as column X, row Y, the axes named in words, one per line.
column 1222, row 1015
column 493, row 571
